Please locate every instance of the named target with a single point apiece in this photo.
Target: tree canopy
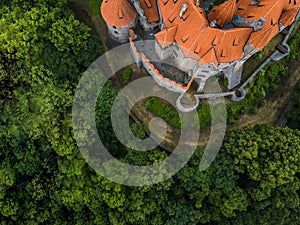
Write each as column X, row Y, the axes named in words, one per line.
column 45, row 180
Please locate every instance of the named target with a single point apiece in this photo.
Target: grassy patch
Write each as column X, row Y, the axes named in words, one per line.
column 170, row 115
column 126, row 75
column 166, row 112
column 94, row 6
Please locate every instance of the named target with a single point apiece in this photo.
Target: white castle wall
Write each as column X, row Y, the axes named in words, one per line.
column 188, row 65
column 120, row 34
column 142, row 17
column 205, row 70
column 202, row 73
column 183, row 63
column 174, row 52
column 141, row 60
column 165, row 53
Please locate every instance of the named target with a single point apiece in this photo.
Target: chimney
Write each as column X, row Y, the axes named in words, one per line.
column 183, row 10
column 213, row 23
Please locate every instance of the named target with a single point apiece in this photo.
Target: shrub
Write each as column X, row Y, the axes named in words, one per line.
column 170, row 115
column 266, row 82
column 127, row 75
column 166, row 112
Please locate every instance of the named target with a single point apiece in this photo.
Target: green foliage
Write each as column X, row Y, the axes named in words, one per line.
column 103, row 119
column 226, row 82
column 44, row 179
column 294, row 44
column 204, row 115
column 267, row 161
column 94, row 6
column 294, row 114
column 170, row 115
column 126, row 75
column 164, row 111
column 138, row 130
column 258, row 55
column 39, row 67
column 68, row 34
column 266, row 82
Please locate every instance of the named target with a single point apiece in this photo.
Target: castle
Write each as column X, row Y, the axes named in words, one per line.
column 200, row 42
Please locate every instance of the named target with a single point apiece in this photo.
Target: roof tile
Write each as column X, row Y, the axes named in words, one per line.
column 150, row 9
column 119, row 13
column 223, row 13
column 166, row 36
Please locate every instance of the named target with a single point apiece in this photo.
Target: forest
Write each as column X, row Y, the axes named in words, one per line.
column 44, row 179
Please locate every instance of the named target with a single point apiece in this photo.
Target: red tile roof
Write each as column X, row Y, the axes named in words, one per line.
column 192, row 32
column 196, row 38
column 223, row 13
column 166, row 36
column 271, row 11
column 268, row 9
column 289, row 4
column 150, row 9
column 288, row 16
column 209, row 57
column 118, row 13
column 262, row 37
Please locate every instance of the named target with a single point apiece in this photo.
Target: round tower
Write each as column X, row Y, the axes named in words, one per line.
column 119, row 16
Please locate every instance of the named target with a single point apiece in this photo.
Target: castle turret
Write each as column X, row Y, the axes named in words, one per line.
column 119, row 16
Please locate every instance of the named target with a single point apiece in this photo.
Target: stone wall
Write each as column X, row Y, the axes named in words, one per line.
column 234, row 74
column 202, row 73
column 120, row 34
column 183, row 63
column 165, row 53
column 141, row 60
column 142, row 17
column 164, row 82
